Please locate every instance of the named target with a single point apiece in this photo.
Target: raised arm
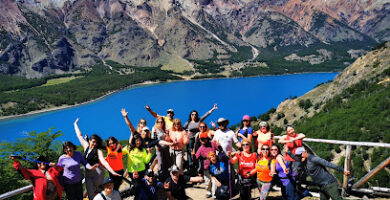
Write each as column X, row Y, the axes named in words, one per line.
column 208, row 113
column 154, row 114
column 128, row 122
column 83, row 142
column 105, row 163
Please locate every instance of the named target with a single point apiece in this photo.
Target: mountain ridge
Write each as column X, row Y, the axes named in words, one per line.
column 152, row 32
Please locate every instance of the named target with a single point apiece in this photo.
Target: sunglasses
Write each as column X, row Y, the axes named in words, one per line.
column 142, row 122
column 245, row 120
column 265, row 149
column 159, row 121
column 274, row 150
column 202, row 126
column 169, row 112
column 175, row 173
column 194, row 114
column 245, row 144
column 263, row 126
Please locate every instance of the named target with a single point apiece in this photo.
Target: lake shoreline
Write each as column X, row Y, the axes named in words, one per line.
column 145, row 83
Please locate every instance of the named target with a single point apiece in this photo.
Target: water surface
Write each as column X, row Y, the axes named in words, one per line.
column 235, row 98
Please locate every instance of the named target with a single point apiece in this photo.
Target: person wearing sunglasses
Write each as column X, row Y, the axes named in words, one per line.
column 179, row 138
column 159, row 132
column 203, row 128
column 168, row 119
column 192, row 127
column 265, row 168
column 201, row 155
column 45, row 178
column 93, row 154
column 264, row 136
column 245, row 131
column 175, row 185
column 246, row 168
column 115, row 160
column 282, row 170
column 225, row 136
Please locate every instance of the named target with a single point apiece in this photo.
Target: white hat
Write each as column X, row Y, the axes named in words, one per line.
column 299, row 150
column 145, row 128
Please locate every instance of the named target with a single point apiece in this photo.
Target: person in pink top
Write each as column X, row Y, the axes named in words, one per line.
column 206, row 147
column 180, row 138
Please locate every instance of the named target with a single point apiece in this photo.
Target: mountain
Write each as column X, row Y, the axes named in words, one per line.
column 45, row 37
column 353, row 107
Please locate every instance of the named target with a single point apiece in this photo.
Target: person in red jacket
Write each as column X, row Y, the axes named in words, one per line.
column 45, row 182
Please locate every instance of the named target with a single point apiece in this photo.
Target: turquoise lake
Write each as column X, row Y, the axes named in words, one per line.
column 235, row 98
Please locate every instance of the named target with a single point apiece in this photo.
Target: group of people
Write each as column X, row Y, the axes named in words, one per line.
column 210, row 154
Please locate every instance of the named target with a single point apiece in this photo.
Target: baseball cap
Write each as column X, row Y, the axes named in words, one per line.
column 145, row 128
column 221, row 120
column 299, row 150
column 246, row 117
column 170, row 110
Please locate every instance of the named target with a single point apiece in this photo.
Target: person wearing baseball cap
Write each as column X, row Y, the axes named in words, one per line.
column 148, row 187
column 108, row 192
column 246, row 130
column 175, row 185
column 168, row 119
column 316, row 169
column 225, row 136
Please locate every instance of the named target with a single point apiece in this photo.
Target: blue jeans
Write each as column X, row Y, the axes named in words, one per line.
column 290, row 192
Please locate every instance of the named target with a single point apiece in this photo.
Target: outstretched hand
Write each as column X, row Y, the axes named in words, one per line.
column 215, row 107
column 124, row 113
column 77, row 121
column 147, row 107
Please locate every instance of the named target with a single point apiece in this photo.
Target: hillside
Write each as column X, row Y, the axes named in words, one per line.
column 202, row 37
column 354, row 107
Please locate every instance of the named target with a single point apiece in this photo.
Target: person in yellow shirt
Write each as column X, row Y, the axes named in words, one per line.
column 265, row 168
column 168, row 119
column 137, row 157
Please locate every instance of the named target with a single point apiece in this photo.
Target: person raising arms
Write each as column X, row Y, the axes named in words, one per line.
column 93, row 154
column 45, row 178
column 168, row 119
column 264, row 136
column 192, row 127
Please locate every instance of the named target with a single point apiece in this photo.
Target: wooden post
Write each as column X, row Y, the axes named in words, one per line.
column 347, row 167
column 371, row 173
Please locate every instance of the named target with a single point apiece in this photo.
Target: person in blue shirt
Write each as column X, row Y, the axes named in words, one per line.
column 147, row 188
column 219, row 171
column 246, row 130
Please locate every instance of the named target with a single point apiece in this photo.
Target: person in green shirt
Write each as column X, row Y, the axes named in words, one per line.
column 137, row 157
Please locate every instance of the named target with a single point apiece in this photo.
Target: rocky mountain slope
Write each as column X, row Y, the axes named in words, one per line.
column 43, row 37
column 365, row 68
